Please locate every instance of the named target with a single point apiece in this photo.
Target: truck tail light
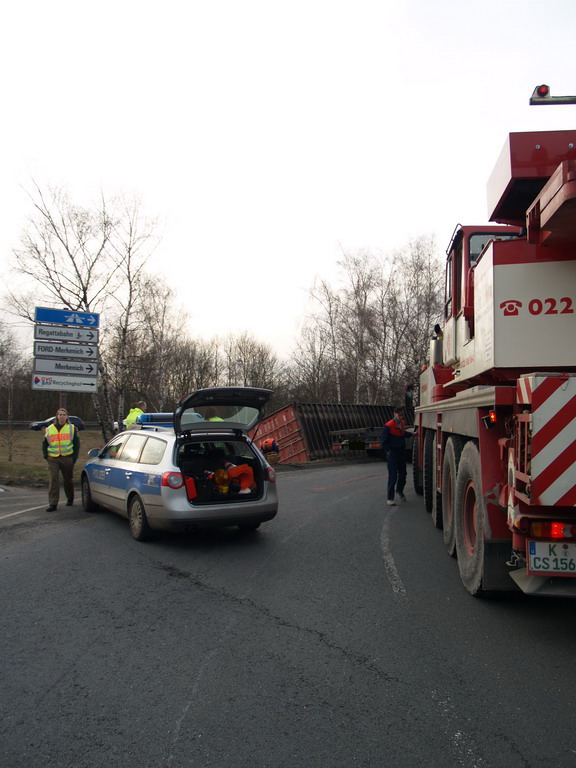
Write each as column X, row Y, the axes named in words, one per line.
column 172, row 480
column 490, row 419
column 553, row 530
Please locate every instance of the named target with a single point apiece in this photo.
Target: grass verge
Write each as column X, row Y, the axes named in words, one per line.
column 28, row 466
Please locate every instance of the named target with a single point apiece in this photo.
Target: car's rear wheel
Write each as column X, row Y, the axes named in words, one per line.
column 88, row 504
column 139, row 527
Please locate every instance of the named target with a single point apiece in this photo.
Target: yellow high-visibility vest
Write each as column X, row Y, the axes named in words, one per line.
column 131, row 418
column 60, row 441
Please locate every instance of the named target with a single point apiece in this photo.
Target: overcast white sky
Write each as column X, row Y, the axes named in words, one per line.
column 266, row 136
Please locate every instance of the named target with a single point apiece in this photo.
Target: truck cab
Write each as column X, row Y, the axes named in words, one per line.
column 464, row 251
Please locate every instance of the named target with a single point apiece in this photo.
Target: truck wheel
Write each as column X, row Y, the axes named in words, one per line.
column 436, row 497
column 137, row 519
column 428, row 468
column 416, row 468
column 449, row 468
column 469, row 516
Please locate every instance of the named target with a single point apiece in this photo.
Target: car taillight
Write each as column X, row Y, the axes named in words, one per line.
column 550, row 530
column 271, row 475
column 172, row 480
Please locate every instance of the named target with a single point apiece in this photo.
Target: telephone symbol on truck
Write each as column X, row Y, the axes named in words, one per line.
column 510, row 307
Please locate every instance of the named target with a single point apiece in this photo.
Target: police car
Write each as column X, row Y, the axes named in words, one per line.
column 194, row 468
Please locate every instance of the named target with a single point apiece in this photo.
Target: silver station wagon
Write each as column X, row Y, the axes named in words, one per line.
column 194, row 468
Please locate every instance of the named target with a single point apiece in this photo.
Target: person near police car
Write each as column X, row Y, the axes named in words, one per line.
column 60, row 447
column 135, row 411
column 269, row 445
column 211, row 413
column 394, row 446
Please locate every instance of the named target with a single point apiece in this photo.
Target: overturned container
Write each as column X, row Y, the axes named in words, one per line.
column 311, row 431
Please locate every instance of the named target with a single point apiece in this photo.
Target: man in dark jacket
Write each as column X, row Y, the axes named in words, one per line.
column 394, row 446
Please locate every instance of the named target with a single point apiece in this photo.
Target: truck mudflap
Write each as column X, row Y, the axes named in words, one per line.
column 496, row 573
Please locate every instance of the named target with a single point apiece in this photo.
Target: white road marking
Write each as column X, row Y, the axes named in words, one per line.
column 22, row 511
column 389, row 564
column 465, row 749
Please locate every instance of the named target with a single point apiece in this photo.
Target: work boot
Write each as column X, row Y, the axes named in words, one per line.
column 391, row 503
column 401, row 496
column 51, row 508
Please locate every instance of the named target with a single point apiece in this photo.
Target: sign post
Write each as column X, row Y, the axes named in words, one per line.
column 65, row 351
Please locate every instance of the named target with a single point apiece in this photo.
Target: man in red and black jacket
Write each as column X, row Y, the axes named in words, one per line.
column 394, row 446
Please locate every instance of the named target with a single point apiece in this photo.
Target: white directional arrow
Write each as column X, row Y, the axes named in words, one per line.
column 70, row 367
column 57, row 383
column 70, row 333
column 55, row 349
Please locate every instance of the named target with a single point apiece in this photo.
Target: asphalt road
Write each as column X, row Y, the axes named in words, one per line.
column 338, row 635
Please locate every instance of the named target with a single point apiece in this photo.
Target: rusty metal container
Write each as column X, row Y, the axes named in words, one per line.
column 302, row 430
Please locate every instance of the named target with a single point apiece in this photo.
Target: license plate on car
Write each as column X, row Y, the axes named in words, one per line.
column 551, row 557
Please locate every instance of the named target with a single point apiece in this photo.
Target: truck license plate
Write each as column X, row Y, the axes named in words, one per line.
column 555, row 558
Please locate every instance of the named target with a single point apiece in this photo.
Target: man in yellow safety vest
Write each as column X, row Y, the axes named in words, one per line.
column 60, row 447
column 135, row 411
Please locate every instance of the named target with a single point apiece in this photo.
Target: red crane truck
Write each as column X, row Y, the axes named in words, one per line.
column 494, row 453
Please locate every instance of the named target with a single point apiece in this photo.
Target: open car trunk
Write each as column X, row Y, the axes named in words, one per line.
column 222, row 470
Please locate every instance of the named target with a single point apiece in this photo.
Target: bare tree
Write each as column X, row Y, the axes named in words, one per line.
column 377, row 325
column 363, row 280
column 249, row 362
column 161, row 323
column 87, row 259
column 194, row 365
column 64, row 252
column 311, row 376
column 12, row 366
column 328, row 323
column 421, row 299
column 129, row 249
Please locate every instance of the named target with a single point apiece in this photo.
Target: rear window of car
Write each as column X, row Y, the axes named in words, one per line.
column 133, row 448
column 153, row 451
column 229, row 449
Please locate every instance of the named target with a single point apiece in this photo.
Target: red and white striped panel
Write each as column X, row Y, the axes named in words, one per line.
column 524, row 390
column 553, row 437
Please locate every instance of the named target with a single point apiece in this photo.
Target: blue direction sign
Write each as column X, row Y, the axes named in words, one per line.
column 67, row 317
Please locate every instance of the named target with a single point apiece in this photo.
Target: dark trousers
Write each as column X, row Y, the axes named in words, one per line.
column 396, row 472
column 65, row 465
